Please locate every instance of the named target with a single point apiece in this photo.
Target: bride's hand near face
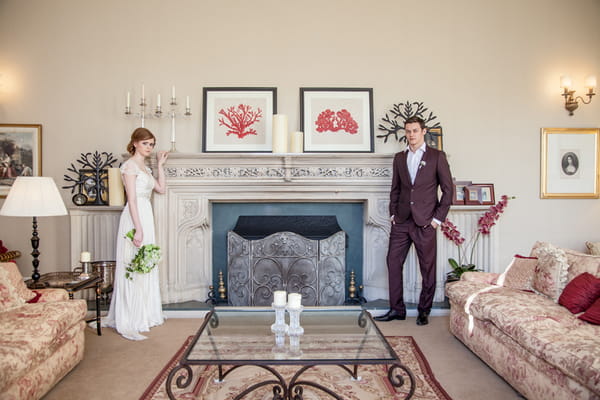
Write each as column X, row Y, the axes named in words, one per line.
column 161, row 157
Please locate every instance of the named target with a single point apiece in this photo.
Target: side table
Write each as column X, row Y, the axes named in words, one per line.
column 71, row 282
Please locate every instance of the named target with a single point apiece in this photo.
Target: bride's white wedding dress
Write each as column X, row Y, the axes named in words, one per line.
column 135, row 304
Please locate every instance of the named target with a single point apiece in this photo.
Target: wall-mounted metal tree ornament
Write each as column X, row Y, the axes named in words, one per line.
column 91, row 179
column 393, row 122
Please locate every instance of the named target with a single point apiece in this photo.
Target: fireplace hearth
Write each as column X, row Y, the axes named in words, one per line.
column 301, row 254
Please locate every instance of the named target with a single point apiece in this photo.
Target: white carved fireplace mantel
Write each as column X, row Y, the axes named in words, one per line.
column 196, row 180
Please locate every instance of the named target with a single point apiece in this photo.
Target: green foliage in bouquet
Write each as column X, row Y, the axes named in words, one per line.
column 145, row 260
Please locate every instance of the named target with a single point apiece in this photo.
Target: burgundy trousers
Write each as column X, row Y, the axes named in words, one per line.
column 402, row 236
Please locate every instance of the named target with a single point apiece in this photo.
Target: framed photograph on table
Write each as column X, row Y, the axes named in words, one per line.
column 569, row 163
column 94, row 187
column 480, row 194
column 433, row 138
column 238, row 119
column 20, row 153
column 337, row 119
column 458, row 195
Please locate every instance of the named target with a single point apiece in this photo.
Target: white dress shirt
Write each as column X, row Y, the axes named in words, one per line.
column 413, row 160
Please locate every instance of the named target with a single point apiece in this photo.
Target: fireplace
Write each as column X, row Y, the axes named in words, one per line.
column 198, row 182
column 299, row 254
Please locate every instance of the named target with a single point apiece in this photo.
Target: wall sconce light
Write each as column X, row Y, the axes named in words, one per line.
column 571, row 102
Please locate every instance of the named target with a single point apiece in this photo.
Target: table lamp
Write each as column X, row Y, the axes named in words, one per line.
column 33, row 197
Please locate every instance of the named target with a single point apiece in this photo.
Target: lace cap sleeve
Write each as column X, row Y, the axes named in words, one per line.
column 129, row 168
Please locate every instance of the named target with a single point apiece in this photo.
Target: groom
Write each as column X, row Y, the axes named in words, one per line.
column 416, row 212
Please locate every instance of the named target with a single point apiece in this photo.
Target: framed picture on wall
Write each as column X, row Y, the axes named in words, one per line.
column 337, row 119
column 20, row 153
column 433, row 138
column 569, row 163
column 238, row 119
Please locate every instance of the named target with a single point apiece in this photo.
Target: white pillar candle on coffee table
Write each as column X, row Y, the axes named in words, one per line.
column 279, row 327
column 279, row 297
column 294, row 300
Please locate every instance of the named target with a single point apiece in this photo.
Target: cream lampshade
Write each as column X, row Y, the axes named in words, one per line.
column 33, row 197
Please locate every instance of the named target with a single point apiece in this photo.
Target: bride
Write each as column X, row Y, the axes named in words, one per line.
column 135, row 304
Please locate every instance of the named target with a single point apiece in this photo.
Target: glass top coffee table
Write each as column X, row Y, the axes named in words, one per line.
column 230, row 339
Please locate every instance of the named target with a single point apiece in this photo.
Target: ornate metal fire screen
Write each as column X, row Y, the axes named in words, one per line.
column 303, row 254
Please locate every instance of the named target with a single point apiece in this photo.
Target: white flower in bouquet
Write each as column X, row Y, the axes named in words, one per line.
column 145, row 260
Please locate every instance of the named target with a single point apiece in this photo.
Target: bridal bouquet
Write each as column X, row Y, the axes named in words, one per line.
column 145, row 260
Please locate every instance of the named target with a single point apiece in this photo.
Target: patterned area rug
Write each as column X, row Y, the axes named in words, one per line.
column 372, row 385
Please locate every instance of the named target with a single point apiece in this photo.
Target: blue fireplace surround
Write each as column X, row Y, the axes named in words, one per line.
column 349, row 216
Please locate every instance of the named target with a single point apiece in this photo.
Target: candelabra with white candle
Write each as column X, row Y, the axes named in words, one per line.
column 158, row 111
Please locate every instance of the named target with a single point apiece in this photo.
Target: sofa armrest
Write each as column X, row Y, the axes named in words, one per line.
column 483, row 277
column 50, row 294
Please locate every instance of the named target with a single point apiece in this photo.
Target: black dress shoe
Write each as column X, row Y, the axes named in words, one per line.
column 422, row 318
column 391, row 315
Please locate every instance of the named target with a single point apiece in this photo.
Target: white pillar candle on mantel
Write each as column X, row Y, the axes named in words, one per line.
column 279, row 298
column 296, row 142
column 294, row 300
column 116, row 194
column 85, row 256
column 280, row 133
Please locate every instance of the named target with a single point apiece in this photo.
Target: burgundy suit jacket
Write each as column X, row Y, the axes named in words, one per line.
column 421, row 199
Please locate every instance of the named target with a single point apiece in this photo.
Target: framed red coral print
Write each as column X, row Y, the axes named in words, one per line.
column 337, row 119
column 238, row 119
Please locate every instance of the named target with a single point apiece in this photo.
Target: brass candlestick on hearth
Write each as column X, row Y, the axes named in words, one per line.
column 222, row 290
column 352, row 286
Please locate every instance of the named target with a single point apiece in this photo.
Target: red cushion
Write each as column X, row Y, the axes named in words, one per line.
column 592, row 314
column 580, row 293
column 36, row 298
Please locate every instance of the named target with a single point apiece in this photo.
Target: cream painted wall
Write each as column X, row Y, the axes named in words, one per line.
column 488, row 69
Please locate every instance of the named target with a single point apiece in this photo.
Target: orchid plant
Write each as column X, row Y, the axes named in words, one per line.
column 484, row 227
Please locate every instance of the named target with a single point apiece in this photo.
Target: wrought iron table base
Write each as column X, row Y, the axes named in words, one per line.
column 295, row 389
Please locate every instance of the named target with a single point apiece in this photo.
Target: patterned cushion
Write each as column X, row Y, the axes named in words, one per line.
column 9, row 298
column 592, row 314
column 519, row 273
column 593, row 248
column 550, row 275
column 580, row 263
column 15, row 277
column 580, row 293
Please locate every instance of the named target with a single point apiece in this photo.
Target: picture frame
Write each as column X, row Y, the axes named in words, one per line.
column 434, row 137
column 91, row 185
column 485, row 193
column 479, row 194
column 458, row 193
column 20, row 153
column 472, row 195
column 337, row 120
column 569, row 163
column 238, row 119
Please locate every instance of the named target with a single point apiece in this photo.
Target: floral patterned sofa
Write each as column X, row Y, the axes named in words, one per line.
column 533, row 324
column 41, row 336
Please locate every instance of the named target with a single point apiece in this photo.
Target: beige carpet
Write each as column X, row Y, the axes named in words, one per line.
column 372, row 385
column 116, row 368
